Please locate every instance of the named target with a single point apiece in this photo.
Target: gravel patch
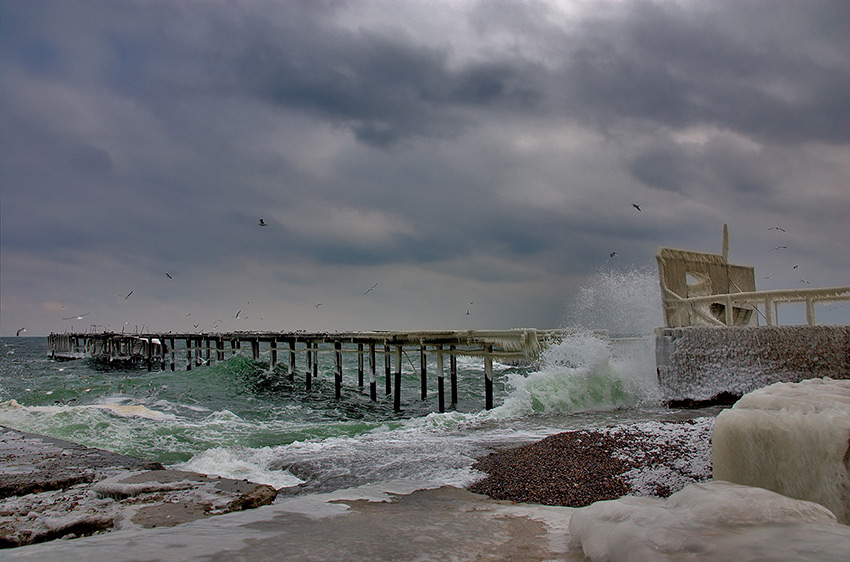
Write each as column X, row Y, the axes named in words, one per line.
column 577, row 468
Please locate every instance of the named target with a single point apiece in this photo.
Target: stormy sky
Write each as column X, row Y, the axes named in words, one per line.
column 450, row 152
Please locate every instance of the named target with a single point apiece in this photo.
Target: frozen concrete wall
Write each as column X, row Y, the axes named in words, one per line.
column 791, row 438
column 704, row 362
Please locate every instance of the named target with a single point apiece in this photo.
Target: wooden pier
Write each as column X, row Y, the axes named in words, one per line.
column 284, row 348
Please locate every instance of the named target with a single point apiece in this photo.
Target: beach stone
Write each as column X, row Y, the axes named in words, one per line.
column 792, row 438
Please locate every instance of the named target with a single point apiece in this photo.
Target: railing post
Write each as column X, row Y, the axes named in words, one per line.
column 488, row 377
column 423, row 372
column 453, row 374
column 360, row 365
column 373, row 367
column 441, row 379
column 338, row 369
column 388, row 370
column 397, row 388
column 291, row 360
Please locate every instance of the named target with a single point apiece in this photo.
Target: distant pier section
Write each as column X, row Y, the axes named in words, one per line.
column 297, row 353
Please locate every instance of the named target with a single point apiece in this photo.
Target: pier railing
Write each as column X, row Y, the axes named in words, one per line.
column 283, row 349
column 718, row 310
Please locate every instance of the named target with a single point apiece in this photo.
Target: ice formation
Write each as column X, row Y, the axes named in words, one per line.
column 709, row 522
column 792, row 438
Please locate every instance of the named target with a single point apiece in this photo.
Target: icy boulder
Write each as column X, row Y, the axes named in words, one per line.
column 792, row 438
column 710, row 522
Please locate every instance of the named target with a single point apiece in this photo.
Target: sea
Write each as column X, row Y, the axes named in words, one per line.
column 239, row 419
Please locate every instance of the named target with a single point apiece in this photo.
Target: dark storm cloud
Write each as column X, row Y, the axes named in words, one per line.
column 726, row 64
column 514, row 136
column 384, row 87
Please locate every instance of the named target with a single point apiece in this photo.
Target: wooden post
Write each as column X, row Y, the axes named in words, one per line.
column 373, row 383
column 173, row 352
column 316, row 360
column 291, row 360
column 206, row 350
column 255, row 349
column 219, row 349
column 338, row 370
column 163, row 349
column 423, row 372
column 488, row 376
column 441, row 380
column 273, row 354
column 149, row 359
column 388, row 370
column 453, row 374
column 232, row 347
column 397, row 389
column 309, row 360
column 189, row 354
column 360, row 365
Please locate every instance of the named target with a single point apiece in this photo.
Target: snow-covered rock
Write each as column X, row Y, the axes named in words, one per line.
column 792, row 438
column 709, row 522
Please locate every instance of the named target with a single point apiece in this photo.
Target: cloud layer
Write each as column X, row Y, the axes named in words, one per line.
column 451, row 152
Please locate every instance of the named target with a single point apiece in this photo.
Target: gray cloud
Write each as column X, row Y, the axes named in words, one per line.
column 490, row 148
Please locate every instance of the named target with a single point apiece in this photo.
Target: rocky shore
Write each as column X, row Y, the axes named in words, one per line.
column 577, row 468
column 50, row 489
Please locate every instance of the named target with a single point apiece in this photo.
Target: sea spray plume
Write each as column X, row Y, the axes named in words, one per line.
column 578, row 374
column 624, row 303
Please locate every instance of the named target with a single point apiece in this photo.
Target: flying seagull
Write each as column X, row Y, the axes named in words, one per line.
column 128, row 295
column 168, row 275
column 317, row 305
column 238, row 312
column 636, row 206
column 20, row 331
column 776, row 228
column 80, row 317
column 370, row 289
column 262, row 222
column 612, row 254
column 779, row 248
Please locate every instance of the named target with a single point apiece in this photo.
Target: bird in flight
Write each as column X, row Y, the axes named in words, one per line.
column 317, row 305
column 636, row 206
column 262, row 222
column 238, row 312
column 779, row 248
column 612, row 254
column 168, row 275
column 80, row 317
column 776, row 228
column 370, row 289
column 20, row 331
column 128, row 295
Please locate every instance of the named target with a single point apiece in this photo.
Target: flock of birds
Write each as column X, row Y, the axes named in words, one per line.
column 262, row 223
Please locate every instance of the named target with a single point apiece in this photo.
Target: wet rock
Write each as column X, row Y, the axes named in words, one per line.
column 55, row 489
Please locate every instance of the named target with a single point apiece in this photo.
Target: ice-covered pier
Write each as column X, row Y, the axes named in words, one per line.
column 285, row 350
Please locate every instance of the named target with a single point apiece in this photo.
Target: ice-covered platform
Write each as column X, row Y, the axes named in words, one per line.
column 792, row 438
column 702, row 363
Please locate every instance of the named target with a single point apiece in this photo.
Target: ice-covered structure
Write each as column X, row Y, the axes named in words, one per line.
column 792, row 438
column 709, row 522
column 723, row 337
column 704, row 362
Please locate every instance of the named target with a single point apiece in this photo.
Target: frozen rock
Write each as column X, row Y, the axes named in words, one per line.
column 708, row 522
column 792, row 438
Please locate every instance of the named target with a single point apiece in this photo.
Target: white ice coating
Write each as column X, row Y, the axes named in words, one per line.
column 709, row 522
column 792, row 438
